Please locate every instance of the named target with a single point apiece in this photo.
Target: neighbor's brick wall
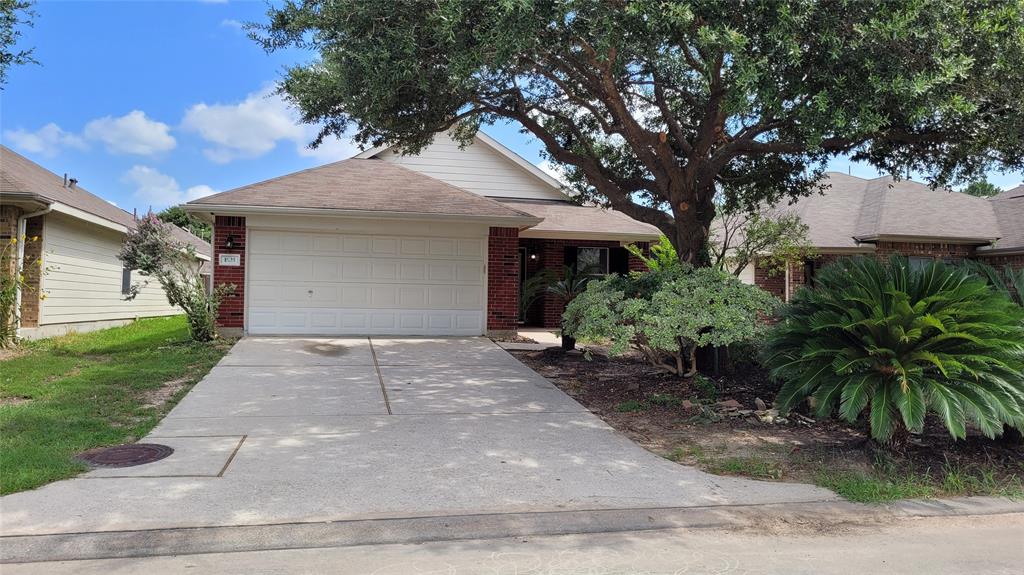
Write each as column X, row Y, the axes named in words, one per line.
column 1015, row 261
column 502, row 279
column 232, row 309
column 9, row 229
column 33, row 270
column 954, row 252
column 547, row 311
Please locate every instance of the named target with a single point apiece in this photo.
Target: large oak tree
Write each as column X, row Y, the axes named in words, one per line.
column 651, row 106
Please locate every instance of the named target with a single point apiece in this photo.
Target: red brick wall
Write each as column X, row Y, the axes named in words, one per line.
column 547, row 311
column 773, row 283
column 503, row 279
column 232, row 309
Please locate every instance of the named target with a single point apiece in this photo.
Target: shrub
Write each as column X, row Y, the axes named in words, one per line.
column 668, row 315
column 150, row 249
column 901, row 343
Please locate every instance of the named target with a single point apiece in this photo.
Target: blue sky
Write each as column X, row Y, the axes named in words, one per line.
column 154, row 103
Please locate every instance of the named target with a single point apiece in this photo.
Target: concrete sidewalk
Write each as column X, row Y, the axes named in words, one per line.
column 315, row 430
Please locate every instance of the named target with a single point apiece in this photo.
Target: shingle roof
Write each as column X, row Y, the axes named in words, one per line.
column 852, row 209
column 566, row 218
column 1009, row 209
column 18, row 174
column 363, row 185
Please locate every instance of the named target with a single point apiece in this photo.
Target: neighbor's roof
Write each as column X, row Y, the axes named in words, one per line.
column 1009, row 209
column 19, row 175
column 852, row 210
column 363, row 185
column 565, row 219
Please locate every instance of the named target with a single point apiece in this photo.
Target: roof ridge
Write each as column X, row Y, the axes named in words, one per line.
column 453, row 186
column 273, row 179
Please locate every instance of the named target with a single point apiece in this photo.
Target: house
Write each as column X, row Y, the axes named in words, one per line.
column 80, row 284
column 432, row 244
column 882, row 216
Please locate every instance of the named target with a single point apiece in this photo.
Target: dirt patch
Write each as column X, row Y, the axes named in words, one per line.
column 6, row 401
column 11, row 352
column 726, row 425
column 155, row 398
column 513, row 339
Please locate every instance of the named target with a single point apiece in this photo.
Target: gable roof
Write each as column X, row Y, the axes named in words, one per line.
column 21, row 176
column 852, row 210
column 491, row 144
column 361, row 185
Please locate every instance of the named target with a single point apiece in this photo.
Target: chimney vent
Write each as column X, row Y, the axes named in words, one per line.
column 72, row 183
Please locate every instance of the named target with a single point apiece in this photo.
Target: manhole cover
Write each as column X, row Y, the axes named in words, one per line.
column 126, row 455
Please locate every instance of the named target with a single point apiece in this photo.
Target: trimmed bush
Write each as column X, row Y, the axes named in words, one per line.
column 668, row 315
column 900, row 343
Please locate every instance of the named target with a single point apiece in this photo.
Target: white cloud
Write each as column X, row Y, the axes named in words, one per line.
column 47, row 141
column 254, row 126
column 160, row 190
column 132, row 133
column 232, row 23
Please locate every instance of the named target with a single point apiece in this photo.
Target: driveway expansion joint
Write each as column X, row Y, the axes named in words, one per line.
column 380, row 378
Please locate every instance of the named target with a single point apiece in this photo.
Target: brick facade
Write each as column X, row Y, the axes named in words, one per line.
column 550, row 254
column 950, row 252
column 232, row 309
column 1016, row 261
column 502, row 279
column 32, row 268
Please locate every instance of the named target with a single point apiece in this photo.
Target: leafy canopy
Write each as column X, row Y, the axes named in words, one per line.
column 902, row 343
column 14, row 13
column 650, row 106
column 982, row 189
column 178, row 216
column 667, row 315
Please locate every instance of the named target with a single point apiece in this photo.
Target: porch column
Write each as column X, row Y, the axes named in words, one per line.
column 502, row 280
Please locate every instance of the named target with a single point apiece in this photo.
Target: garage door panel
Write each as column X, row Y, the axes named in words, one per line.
column 322, row 283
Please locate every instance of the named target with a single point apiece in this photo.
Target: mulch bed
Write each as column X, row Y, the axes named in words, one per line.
column 670, row 415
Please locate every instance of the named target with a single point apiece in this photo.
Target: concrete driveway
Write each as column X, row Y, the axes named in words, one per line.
column 289, row 430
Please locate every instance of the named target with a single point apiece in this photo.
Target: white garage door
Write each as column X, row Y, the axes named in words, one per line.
column 325, row 283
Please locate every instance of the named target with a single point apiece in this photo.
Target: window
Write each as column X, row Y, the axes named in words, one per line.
column 126, row 280
column 918, row 263
column 594, row 260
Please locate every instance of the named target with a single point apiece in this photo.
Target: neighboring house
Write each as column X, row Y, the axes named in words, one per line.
column 882, row 216
column 432, row 244
column 80, row 284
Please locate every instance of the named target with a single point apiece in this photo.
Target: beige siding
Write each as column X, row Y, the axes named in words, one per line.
column 83, row 281
column 477, row 168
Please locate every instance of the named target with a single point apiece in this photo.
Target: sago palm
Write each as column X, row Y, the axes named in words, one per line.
column 900, row 343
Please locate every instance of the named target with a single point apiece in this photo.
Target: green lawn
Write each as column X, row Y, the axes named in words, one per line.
column 68, row 394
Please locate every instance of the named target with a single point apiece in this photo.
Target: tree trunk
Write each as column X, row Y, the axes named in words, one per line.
column 693, row 214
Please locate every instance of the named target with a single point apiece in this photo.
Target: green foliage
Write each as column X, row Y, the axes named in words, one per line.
column 775, row 239
column 901, row 343
column 150, row 250
column 177, row 216
column 1009, row 282
column 649, row 105
column 663, row 255
column 982, row 189
column 668, row 315
column 14, row 13
column 574, row 282
column 531, row 289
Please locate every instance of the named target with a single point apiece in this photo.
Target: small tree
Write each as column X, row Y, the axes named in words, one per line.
column 982, row 189
column 662, row 256
column 772, row 237
column 667, row 316
column 150, row 249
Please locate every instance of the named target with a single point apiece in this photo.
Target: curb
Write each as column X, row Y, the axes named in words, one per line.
column 348, row 533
